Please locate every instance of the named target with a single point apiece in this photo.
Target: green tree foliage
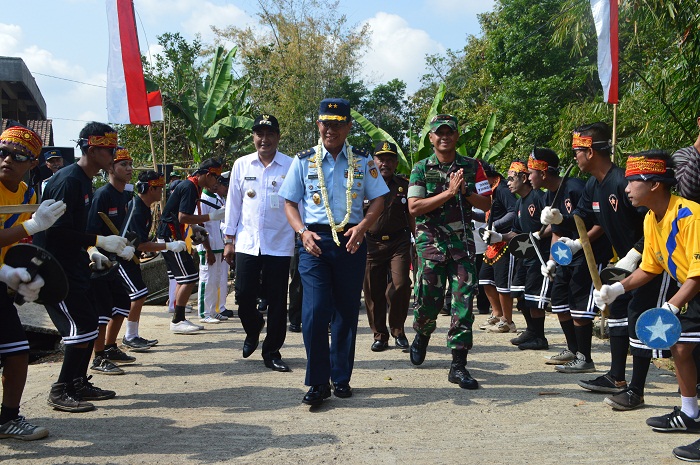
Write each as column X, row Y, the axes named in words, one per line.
column 205, row 107
column 307, row 52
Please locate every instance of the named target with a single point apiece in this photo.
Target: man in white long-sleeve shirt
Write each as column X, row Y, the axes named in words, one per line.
column 259, row 238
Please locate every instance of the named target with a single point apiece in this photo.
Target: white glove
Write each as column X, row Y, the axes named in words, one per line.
column 551, row 215
column 177, row 246
column 100, row 261
column 13, row 277
column 630, row 262
column 127, row 253
column 548, row 270
column 217, row 215
column 536, row 235
column 670, row 307
column 607, row 294
column 114, row 244
column 493, row 235
column 30, row 291
column 49, row 211
column 574, row 245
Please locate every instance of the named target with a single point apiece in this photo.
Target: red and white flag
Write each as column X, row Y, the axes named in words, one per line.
column 605, row 17
column 126, row 87
column 155, row 106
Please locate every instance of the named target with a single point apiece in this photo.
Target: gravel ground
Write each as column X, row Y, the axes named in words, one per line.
column 193, row 399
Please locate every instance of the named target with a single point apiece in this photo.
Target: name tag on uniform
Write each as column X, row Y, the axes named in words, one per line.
column 312, row 176
column 274, row 201
column 250, row 178
column 433, row 176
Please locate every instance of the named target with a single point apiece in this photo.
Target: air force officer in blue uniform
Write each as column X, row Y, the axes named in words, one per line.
column 330, row 181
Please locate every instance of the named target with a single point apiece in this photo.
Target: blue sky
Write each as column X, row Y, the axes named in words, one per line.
column 68, row 39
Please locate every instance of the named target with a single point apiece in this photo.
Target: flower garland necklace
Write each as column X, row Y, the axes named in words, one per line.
column 324, row 192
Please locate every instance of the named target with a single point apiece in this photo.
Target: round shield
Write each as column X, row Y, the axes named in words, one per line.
column 611, row 275
column 561, row 253
column 40, row 262
column 658, row 328
column 521, row 247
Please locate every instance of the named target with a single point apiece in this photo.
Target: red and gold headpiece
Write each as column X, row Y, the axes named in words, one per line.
column 122, row 155
column 580, row 141
column 21, row 140
column 643, row 165
column 216, row 170
column 535, row 164
column 158, row 182
column 109, row 140
column 518, row 167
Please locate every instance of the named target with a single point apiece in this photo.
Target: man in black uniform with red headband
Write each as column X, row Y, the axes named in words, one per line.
column 180, row 209
column 572, row 289
column 605, row 203
column 67, row 240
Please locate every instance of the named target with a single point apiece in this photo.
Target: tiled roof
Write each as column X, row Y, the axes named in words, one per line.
column 42, row 127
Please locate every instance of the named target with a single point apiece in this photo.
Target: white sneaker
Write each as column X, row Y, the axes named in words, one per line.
column 210, row 320
column 502, row 327
column 185, row 327
column 220, row 317
column 491, row 321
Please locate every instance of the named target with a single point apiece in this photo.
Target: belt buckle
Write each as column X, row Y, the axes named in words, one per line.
column 385, row 238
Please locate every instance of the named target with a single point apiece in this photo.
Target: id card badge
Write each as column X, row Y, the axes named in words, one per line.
column 274, row 201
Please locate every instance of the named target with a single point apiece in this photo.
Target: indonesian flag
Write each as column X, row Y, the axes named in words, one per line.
column 126, row 87
column 155, row 106
column 605, row 17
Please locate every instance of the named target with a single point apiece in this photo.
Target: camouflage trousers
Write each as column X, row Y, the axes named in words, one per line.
column 432, row 279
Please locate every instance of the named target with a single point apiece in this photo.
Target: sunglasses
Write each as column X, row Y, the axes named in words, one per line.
column 19, row 157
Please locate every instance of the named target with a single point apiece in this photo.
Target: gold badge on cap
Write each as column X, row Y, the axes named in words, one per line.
column 316, row 198
column 386, row 147
column 250, row 193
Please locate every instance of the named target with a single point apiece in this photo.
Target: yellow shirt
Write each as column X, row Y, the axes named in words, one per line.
column 14, row 198
column 673, row 244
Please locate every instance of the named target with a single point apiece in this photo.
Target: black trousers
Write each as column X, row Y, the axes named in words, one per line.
column 295, row 289
column 274, row 286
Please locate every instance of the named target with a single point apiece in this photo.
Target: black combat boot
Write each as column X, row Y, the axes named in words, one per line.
column 458, row 371
column 418, row 348
column 61, row 399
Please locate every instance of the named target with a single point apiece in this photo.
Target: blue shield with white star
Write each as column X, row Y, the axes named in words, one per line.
column 561, row 253
column 658, row 328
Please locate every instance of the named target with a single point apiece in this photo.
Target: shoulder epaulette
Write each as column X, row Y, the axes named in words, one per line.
column 360, row 152
column 305, row 153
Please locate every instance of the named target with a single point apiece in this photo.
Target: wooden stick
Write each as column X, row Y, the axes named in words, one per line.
column 21, row 208
column 592, row 266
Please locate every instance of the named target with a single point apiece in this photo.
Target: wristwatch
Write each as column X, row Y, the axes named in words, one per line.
column 228, row 240
column 302, row 231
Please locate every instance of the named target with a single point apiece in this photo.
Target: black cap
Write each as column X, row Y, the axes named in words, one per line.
column 266, row 121
column 385, row 148
column 225, row 178
column 334, row 109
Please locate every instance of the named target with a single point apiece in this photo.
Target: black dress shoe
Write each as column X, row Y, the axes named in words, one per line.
column 251, row 342
column 342, row 390
column 227, row 313
column 379, row 346
column 418, row 348
column 317, row 394
column 402, row 342
column 276, row 364
column 295, row 328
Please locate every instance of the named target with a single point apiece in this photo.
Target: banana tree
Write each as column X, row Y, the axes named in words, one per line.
column 213, row 108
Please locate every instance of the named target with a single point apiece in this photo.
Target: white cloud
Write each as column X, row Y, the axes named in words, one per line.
column 397, row 50
column 207, row 14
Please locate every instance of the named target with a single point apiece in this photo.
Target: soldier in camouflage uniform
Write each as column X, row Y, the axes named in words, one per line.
column 445, row 244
